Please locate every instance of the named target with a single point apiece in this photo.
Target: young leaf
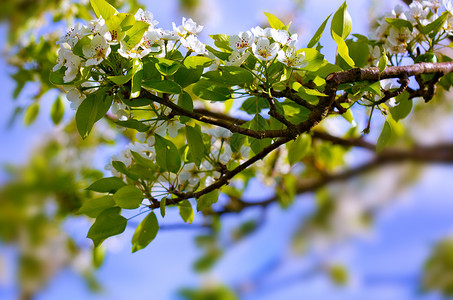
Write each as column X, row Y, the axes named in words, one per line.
column 195, row 62
column 399, row 23
column 207, row 200
column 166, row 86
column 94, row 207
column 106, row 185
column 57, row 111
column 258, row 123
column 299, row 148
column 185, row 77
column 186, row 211
column 383, row 62
column 211, row 90
column 103, row 9
column 146, row 232
column 167, row 67
column 135, row 33
column 384, row 138
column 163, row 204
column 403, row 109
column 315, row 39
column 107, row 224
column 196, row 146
column 274, row 21
column 134, row 124
column 93, row 108
column 167, row 155
column 341, row 23
column 185, row 101
column 343, row 50
column 31, row 113
column 128, row 197
column 137, row 77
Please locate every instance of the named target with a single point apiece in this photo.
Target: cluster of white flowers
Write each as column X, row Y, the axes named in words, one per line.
column 397, row 40
column 266, row 44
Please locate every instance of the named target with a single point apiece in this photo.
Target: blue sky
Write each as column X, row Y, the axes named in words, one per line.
column 385, row 265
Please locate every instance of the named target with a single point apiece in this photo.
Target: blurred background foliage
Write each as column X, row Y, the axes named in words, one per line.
column 43, row 194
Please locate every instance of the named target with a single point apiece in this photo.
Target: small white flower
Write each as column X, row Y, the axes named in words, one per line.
column 263, row 50
column 72, row 36
column 119, row 109
column 179, row 30
column 168, row 35
column 259, row 32
column 375, row 54
column 97, row 51
column 193, row 44
column 70, row 61
column 93, row 27
column 237, row 58
column 398, row 12
column 291, row 59
column 190, row 26
column 145, row 16
column 283, row 37
column 448, row 4
column 417, row 12
column 398, row 39
column 242, row 41
column 75, row 97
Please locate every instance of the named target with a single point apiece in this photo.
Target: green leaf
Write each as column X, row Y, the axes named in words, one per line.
column 93, row 108
column 384, row 138
column 31, row 113
column 299, row 148
column 222, row 42
column 146, row 232
column 167, row 155
column 138, row 102
column 315, row 39
column 121, row 167
column 218, row 54
column 436, row 25
column 383, row 62
column 166, row 86
column 167, row 67
column 135, row 34
column 196, row 146
column 107, row 224
column 274, row 21
column 207, row 200
column 254, row 105
column 128, row 197
column 57, row 111
column 103, row 8
column 185, row 101
column 258, row 123
column 237, row 140
column 195, row 62
column 163, row 204
column 403, row 109
column 137, row 65
column 341, row 23
column 186, row 211
column 134, row 124
column 343, row 50
column 211, row 90
column 137, row 79
column 94, row 207
column 314, row 58
column 107, row 185
column 185, row 77
column 399, row 23
column 231, row 75
column 148, row 163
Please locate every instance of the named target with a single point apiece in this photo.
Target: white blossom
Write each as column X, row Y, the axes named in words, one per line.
column 145, row 16
column 263, row 50
column 242, row 41
column 259, row 32
column 291, row 58
column 93, row 27
column 168, row 35
column 190, row 26
column 448, row 4
column 375, row 54
column 72, row 36
column 417, row 12
column 283, row 37
column 75, row 96
column 398, row 39
column 192, row 43
column 97, row 51
column 237, row 58
column 69, row 60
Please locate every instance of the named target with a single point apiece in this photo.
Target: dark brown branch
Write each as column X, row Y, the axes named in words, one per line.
column 434, row 154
